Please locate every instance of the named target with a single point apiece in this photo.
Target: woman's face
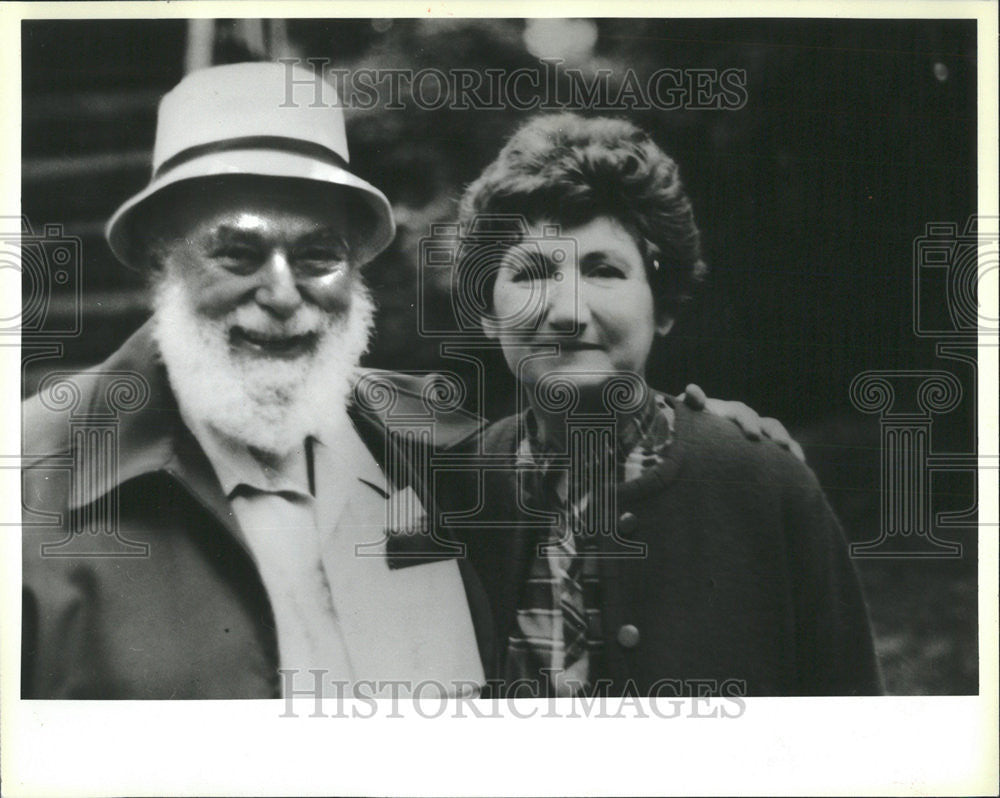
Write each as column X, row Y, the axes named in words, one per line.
column 581, row 291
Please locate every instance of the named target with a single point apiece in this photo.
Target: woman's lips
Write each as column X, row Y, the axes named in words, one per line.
column 578, row 346
column 567, row 346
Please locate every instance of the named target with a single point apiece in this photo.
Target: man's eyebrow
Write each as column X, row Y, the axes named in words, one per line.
column 226, row 233
column 324, row 235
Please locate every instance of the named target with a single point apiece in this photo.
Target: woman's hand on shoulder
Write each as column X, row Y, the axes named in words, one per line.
column 746, row 418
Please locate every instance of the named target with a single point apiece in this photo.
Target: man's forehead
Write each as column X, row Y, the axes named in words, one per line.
column 243, row 223
column 257, row 210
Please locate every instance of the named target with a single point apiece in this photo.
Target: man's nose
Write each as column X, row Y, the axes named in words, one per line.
column 566, row 309
column 278, row 291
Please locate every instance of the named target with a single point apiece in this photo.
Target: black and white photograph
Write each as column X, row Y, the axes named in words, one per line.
column 556, row 375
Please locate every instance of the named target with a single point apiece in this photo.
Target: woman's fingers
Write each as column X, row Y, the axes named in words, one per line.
column 776, row 431
column 753, row 426
column 694, row 397
column 744, row 417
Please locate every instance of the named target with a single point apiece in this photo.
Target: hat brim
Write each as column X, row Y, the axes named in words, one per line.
column 121, row 232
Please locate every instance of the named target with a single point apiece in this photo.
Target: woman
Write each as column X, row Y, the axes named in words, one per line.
column 637, row 546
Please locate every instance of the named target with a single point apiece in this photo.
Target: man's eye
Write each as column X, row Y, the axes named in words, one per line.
column 235, row 253
column 239, row 259
column 330, row 254
column 320, row 260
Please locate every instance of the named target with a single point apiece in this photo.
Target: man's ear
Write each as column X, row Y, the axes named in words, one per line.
column 664, row 323
column 152, row 258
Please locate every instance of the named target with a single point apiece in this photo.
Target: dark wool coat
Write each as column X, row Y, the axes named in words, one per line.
column 745, row 584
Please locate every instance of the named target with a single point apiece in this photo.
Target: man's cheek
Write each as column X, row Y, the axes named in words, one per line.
column 215, row 299
column 332, row 294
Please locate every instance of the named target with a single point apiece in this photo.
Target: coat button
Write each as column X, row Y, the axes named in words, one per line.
column 627, row 523
column 628, row 636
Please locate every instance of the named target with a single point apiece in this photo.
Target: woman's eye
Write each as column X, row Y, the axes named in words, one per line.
column 605, row 270
column 529, row 269
column 526, row 275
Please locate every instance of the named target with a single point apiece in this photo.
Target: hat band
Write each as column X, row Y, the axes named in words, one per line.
column 280, row 143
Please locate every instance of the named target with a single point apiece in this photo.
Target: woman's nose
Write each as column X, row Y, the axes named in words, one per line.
column 278, row 292
column 566, row 309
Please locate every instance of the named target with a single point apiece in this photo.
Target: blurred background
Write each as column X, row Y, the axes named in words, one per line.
column 855, row 134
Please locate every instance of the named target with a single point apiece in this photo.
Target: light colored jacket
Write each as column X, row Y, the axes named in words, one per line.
column 136, row 580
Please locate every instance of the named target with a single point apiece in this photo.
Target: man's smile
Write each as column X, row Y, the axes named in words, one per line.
column 270, row 344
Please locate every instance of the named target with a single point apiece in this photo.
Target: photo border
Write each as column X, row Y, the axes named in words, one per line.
column 878, row 746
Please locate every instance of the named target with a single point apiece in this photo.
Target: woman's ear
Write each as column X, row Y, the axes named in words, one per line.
column 489, row 326
column 664, row 323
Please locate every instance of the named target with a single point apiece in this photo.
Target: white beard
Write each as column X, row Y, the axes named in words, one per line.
column 270, row 404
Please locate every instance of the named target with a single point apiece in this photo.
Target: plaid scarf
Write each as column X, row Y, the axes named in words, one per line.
column 557, row 641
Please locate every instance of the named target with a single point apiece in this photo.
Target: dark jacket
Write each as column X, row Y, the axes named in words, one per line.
column 745, row 587
column 171, row 605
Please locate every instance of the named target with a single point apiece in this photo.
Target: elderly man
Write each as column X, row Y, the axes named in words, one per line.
column 222, row 444
column 253, row 483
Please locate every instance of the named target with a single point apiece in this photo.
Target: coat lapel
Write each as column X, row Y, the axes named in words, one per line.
column 410, row 624
column 150, row 438
column 406, row 471
column 514, row 552
column 503, row 543
column 191, row 468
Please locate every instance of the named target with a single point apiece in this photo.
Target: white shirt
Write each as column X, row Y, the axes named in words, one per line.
column 320, row 550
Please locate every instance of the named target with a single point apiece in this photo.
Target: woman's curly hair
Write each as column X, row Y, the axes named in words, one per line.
column 569, row 169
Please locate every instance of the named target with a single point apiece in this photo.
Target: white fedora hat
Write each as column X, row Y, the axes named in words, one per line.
column 268, row 119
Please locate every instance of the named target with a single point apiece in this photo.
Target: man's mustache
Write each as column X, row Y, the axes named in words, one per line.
column 307, row 320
